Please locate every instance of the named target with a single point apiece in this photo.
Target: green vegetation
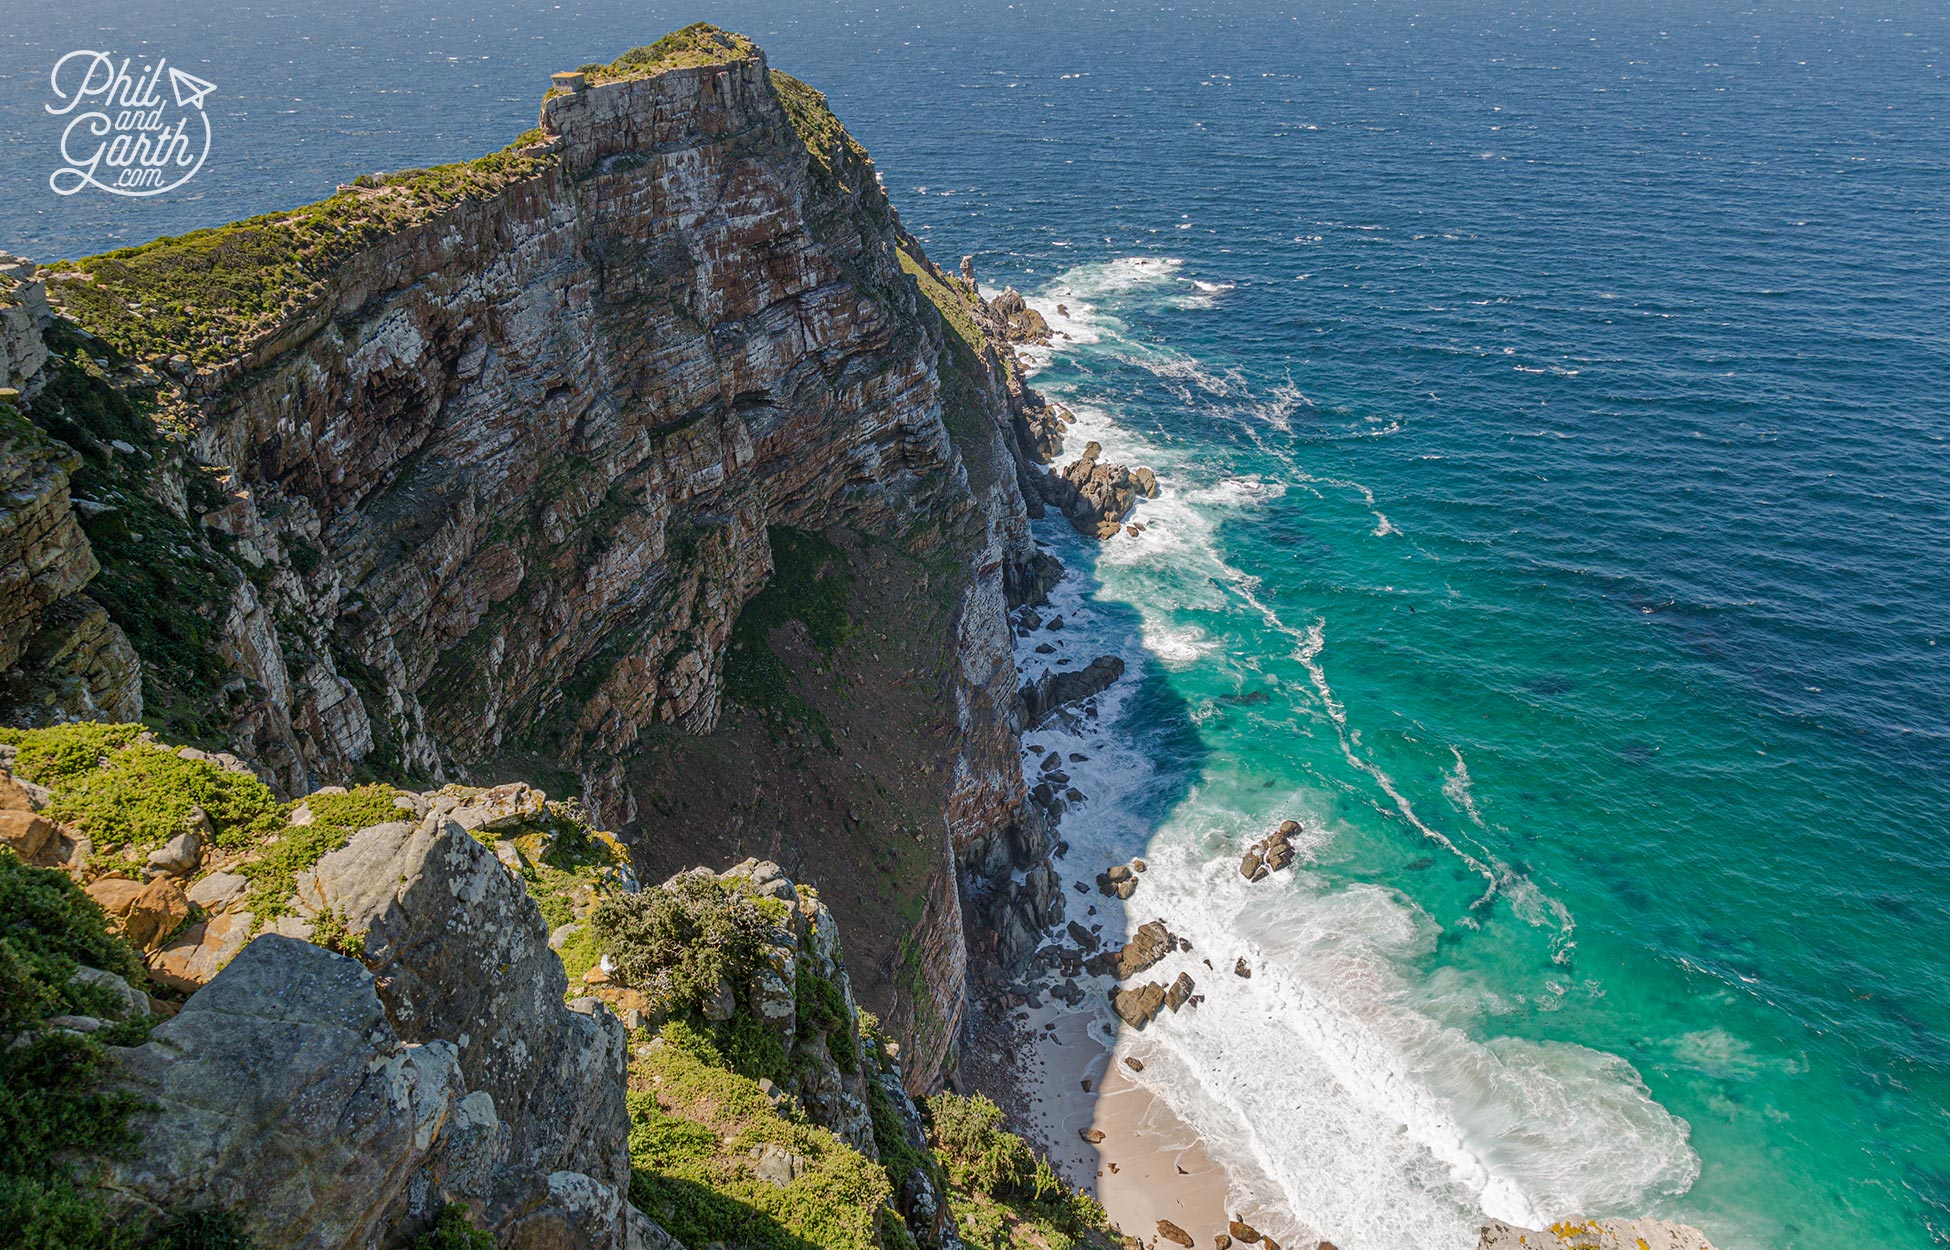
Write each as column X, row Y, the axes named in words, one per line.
column 163, row 581
column 698, row 1135
column 700, row 43
column 676, row 943
column 213, row 293
column 959, row 365
column 455, row 1231
column 810, row 584
column 131, row 796
column 335, row 818
column 1002, row 1192
column 827, row 141
column 52, row 1110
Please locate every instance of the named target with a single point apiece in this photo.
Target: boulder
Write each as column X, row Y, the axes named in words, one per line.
column 1271, row 853
column 1151, row 943
column 1180, row 992
column 1240, row 968
column 281, row 1092
column 134, row 1002
column 1137, row 1007
column 1091, row 1135
column 179, row 856
column 493, row 810
column 203, row 950
column 14, row 795
column 1134, row 1064
column 1242, row 1231
column 1017, row 321
column 1169, row 1231
column 25, row 833
column 153, row 912
column 115, row 895
column 219, row 890
column 1048, row 694
column 461, row 953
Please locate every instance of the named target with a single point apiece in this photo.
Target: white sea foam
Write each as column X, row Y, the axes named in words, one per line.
column 1339, row 1084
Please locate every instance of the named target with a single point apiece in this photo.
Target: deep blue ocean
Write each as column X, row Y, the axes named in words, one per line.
column 1551, row 404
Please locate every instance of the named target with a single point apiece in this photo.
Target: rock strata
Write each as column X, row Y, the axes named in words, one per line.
column 1050, row 693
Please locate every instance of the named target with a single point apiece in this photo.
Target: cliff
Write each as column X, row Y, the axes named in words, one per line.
column 638, row 460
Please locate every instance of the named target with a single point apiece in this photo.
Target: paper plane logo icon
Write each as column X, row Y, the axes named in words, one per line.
column 189, row 89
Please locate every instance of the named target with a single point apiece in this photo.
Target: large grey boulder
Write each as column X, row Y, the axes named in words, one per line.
column 281, row 1092
column 461, row 953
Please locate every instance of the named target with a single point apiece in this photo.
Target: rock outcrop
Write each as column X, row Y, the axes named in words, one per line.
column 336, row 1102
column 1057, row 689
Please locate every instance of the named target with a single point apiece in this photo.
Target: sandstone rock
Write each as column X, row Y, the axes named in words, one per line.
column 1240, row 968
column 1222, row 1241
column 150, row 914
column 493, row 810
column 1134, row 1064
column 1171, row 1232
column 461, row 954
column 1043, row 697
column 1582, row 1234
column 1271, row 853
column 1180, row 992
column 116, row 895
column 1017, row 321
column 25, row 833
column 203, row 950
column 1091, row 1135
column 179, row 856
column 1151, row 943
column 1137, row 1007
column 14, row 795
column 1242, row 1231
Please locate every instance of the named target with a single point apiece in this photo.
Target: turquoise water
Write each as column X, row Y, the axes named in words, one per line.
column 1550, row 408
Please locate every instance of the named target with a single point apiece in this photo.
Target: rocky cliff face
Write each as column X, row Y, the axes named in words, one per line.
column 472, row 472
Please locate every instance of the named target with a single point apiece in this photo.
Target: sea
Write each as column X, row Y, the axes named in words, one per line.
column 1550, row 404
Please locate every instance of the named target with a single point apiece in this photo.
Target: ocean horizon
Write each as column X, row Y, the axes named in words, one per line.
column 1549, row 408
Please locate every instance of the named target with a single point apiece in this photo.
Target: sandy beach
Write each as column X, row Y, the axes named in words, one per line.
column 1149, row 1164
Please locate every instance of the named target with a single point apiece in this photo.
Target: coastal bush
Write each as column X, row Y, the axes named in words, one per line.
column 455, row 1230
column 677, row 941
column 53, row 1112
column 130, row 796
column 210, row 294
column 999, row 1185
column 700, row 43
column 810, row 585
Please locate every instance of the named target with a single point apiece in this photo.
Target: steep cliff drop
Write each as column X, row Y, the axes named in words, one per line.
column 648, row 459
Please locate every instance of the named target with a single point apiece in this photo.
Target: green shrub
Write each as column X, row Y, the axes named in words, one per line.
column 131, row 797
column 455, row 1230
column 979, row 1153
column 677, row 942
column 52, row 1110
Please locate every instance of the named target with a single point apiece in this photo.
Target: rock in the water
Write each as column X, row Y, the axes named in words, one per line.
column 1091, row 1135
column 1171, row 1232
column 1151, row 943
column 1137, row 1007
column 1239, row 968
column 1134, row 1064
column 1018, row 322
column 1053, row 691
column 1093, row 496
column 1242, row 1231
column 1180, row 992
column 1271, row 853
